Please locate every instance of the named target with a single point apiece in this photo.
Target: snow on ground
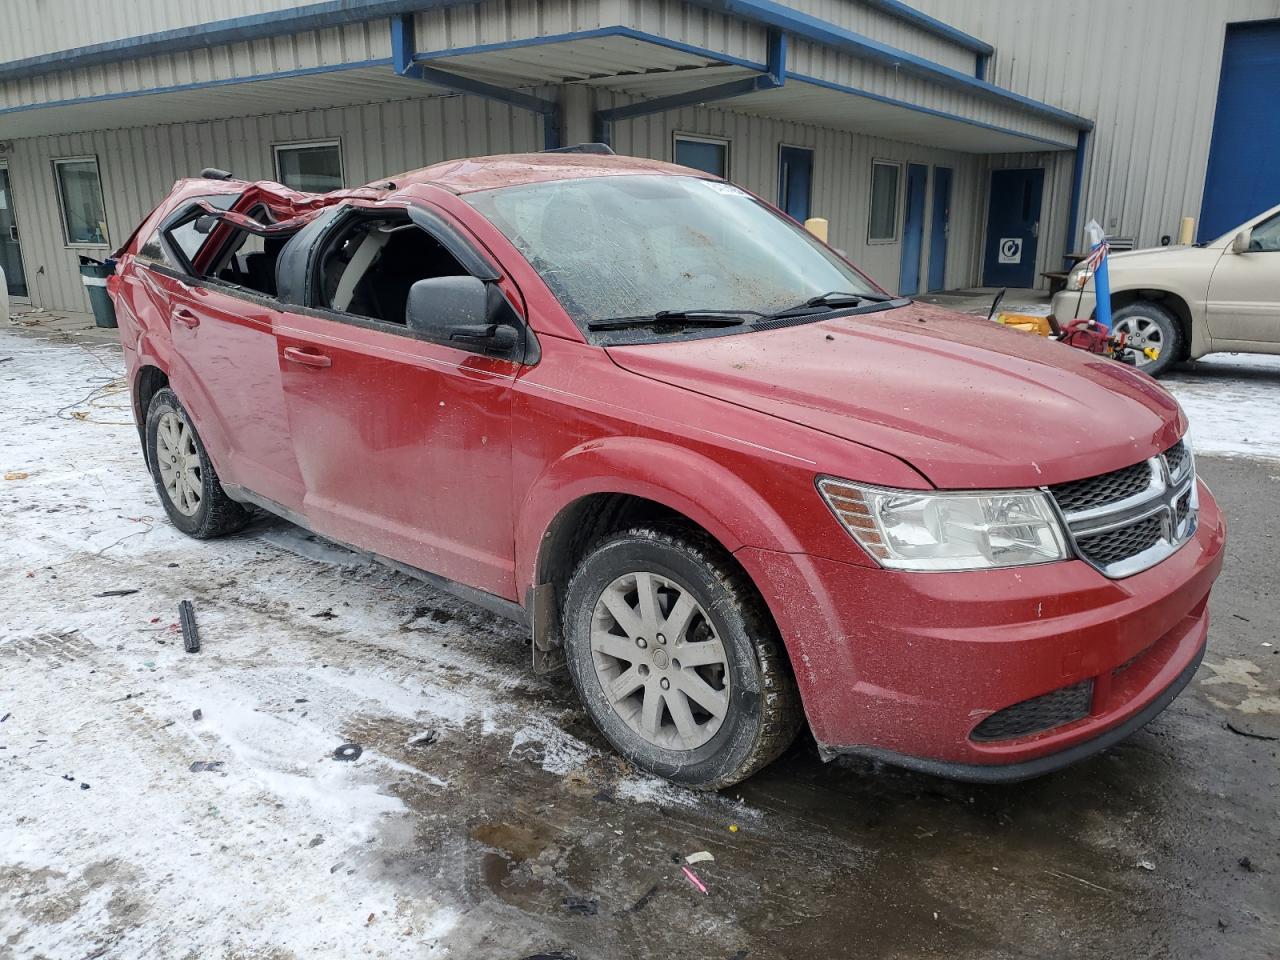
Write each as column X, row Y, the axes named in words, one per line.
column 108, row 838
column 1232, row 402
column 111, row 845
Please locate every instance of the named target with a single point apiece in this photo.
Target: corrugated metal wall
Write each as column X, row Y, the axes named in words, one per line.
column 32, row 27
column 139, row 165
column 680, row 22
column 886, row 29
column 317, row 48
column 841, row 178
column 1146, row 71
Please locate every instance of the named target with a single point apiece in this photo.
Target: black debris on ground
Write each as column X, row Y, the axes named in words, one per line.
column 190, row 635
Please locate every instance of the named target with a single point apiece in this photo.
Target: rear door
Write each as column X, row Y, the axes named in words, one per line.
column 1244, row 291
column 403, row 444
column 223, row 315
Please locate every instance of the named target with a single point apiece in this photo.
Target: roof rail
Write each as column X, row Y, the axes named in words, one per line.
column 603, row 149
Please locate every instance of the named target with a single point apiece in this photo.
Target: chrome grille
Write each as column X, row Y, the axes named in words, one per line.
column 1178, row 457
column 1108, row 488
column 1129, row 520
column 1104, row 549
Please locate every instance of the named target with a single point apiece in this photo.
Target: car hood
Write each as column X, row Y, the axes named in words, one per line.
column 1125, row 256
column 968, row 403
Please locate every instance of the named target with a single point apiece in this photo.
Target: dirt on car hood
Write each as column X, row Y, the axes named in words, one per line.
column 967, row 402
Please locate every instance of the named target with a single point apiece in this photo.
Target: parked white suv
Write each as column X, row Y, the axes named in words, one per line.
column 1180, row 303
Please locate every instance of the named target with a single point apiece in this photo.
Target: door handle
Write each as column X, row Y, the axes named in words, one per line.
column 13, row 233
column 1035, row 229
column 308, row 358
column 186, row 318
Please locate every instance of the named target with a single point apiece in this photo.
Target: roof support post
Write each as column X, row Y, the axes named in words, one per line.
column 774, row 75
column 404, row 51
column 1077, row 188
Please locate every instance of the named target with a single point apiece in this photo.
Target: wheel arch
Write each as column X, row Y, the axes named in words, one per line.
column 149, row 381
column 1171, row 301
column 603, row 486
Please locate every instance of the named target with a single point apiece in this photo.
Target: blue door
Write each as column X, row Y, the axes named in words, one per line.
column 940, row 228
column 1013, row 227
column 1243, row 178
column 913, row 229
column 795, row 181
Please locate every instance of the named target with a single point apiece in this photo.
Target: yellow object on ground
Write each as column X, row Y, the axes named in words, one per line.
column 1026, row 321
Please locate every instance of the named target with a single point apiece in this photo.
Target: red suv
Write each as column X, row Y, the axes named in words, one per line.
column 730, row 481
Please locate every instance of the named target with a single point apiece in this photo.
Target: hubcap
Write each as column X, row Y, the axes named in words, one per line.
column 1144, row 337
column 179, row 463
column 673, row 691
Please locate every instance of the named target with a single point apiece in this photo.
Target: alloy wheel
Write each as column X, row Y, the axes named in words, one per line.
column 179, row 463
column 662, row 667
column 1143, row 334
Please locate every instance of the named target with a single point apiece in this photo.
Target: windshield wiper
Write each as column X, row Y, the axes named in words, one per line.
column 835, row 298
column 682, row 318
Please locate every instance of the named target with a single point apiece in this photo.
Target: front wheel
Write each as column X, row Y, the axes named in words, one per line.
column 1153, row 333
column 676, row 660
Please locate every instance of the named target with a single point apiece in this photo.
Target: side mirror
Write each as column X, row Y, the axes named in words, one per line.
column 1242, row 240
column 457, row 309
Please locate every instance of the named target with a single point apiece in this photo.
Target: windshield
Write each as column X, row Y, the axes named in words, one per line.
column 628, row 246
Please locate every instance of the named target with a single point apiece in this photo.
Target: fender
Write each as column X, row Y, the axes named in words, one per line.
column 655, row 470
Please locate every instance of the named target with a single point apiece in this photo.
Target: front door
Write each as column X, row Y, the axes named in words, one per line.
column 403, row 440
column 1013, row 228
column 1244, row 291
column 913, row 229
column 404, row 446
column 10, row 251
column 940, row 231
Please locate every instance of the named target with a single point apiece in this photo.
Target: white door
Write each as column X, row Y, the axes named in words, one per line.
column 1244, row 292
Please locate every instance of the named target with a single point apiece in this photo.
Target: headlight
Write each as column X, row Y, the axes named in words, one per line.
column 911, row 530
column 1079, row 277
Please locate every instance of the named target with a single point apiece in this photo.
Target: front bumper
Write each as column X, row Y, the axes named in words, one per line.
column 905, row 666
column 1069, row 304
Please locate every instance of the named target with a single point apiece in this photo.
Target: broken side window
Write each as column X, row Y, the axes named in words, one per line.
column 240, row 249
column 368, row 266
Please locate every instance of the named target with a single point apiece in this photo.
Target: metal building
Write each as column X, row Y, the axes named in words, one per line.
column 949, row 143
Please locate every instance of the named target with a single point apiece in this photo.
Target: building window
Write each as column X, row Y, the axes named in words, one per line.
column 84, row 218
column 882, row 225
column 702, row 153
column 313, row 167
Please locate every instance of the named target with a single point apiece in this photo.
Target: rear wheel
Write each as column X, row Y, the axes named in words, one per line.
column 184, row 476
column 1153, row 334
column 676, row 660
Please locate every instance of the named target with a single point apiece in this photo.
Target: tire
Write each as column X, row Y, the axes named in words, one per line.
column 759, row 716
column 202, row 509
column 1151, row 325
